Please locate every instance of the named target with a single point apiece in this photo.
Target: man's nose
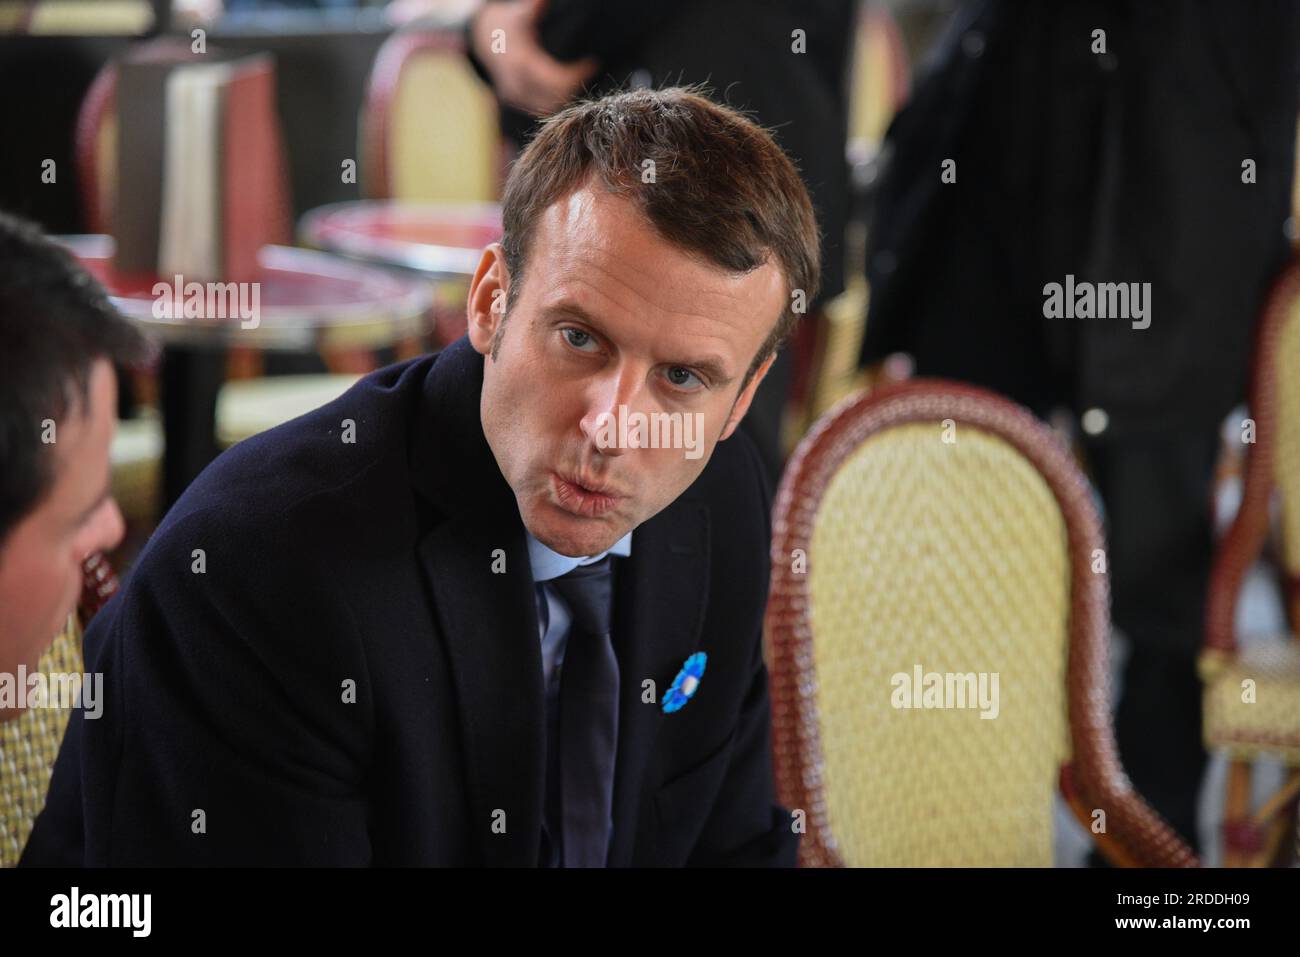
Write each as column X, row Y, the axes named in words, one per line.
column 618, row 392
column 109, row 529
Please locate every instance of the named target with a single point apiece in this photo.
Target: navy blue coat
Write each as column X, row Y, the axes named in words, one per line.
column 371, row 562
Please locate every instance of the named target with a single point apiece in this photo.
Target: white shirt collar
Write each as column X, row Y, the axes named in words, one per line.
column 548, row 564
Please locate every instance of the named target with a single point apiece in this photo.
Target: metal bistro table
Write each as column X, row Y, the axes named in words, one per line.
column 309, row 301
column 439, row 241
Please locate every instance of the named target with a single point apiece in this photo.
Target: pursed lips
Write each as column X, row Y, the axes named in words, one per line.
column 577, row 496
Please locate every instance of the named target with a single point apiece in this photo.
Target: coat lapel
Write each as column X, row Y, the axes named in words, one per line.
column 659, row 610
column 489, row 627
column 487, row 619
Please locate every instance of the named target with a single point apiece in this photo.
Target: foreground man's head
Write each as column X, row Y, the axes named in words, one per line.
column 658, row 249
column 59, row 337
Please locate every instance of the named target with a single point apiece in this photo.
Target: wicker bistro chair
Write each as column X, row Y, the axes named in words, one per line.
column 248, row 403
column 429, row 128
column 937, row 527
column 30, row 743
column 1252, row 690
column 881, row 75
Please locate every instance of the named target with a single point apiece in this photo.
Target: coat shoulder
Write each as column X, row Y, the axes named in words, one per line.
column 345, row 453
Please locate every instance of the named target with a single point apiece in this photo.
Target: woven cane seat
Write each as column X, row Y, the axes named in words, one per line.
column 28, row 746
column 249, row 406
column 1270, row 724
column 1287, row 434
column 1252, row 703
column 953, row 558
column 934, row 531
column 30, row 742
column 429, row 129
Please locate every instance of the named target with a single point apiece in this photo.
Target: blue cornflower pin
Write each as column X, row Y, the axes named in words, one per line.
column 686, row 683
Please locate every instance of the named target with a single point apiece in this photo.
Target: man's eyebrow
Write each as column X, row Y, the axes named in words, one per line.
column 712, row 366
column 571, row 309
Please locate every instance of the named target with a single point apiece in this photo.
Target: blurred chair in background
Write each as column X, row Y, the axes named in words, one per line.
column 137, row 484
column 937, row 528
column 1252, row 683
column 138, row 445
column 881, row 77
column 430, row 130
column 430, row 133
column 261, row 404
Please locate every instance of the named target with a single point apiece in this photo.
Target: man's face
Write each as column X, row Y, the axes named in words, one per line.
column 40, row 560
column 611, row 315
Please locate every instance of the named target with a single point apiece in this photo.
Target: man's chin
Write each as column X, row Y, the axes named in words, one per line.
column 572, row 535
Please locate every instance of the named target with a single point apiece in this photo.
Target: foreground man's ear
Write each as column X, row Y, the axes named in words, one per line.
column 485, row 309
column 741, row 405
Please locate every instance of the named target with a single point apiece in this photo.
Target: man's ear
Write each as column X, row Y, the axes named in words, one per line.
column 485, row 309
column 741, row 405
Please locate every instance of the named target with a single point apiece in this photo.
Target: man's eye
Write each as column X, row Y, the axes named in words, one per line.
column 577, row 337
column 682, row 378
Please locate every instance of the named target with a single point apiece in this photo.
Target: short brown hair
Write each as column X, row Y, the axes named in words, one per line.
column 55, row 322
column 721, row 188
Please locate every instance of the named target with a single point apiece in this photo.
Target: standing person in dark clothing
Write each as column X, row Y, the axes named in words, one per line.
column 786, row 62
column 1142, row 143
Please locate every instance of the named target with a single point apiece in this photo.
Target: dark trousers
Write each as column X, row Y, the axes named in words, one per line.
column 1157, row 492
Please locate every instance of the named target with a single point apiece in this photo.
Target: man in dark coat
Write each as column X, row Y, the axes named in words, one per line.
column 374, row 635
column 1147, row 143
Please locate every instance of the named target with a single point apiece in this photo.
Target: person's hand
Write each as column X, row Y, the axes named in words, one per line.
column 525, row 75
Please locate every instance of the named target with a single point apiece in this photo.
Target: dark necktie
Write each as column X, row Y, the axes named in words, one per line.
column 588, row 716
